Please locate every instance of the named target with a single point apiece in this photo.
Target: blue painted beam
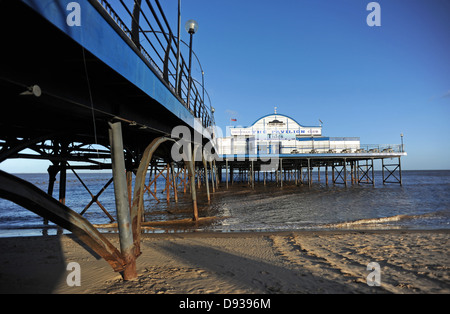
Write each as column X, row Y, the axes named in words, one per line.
column 98, row 37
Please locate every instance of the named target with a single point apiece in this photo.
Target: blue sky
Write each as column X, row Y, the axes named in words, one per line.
column 318, row 59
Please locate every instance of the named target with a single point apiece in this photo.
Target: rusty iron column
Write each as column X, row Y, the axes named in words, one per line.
column 62, row 182
column 139, row 189
column 122, row 204
column 130, row 187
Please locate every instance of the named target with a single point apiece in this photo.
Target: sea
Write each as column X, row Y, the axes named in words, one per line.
column 422, row 202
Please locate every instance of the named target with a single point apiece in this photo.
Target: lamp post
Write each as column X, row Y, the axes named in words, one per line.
column 191, row 27
column 178, row 49
column 401, row 135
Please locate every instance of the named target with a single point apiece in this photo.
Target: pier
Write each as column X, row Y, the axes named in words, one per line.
column 85, row 90
column 348, row 169
column 103, row 94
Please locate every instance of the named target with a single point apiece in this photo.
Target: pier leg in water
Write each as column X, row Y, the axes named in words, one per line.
column 122, row 204
column 281, row 171
column 345, row 171
column 226, row 171
column 253, row 175
column 174, row 182
column 213, row 181
column 191, row 169
column 52, row 172
column 205, row 166
column 309, row 173
column 373, row 174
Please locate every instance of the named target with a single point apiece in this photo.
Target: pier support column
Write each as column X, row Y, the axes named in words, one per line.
column 300, row 174
column 191, row 170
column 205, row 166
column 213, row 176
column 351, row 172
column 167, row 189
column 281, row 172
column 345, row 172
column 332, row 173
column 231, row 175
column 122, row 204
column 392, row 172
column 309, row 173
column 217, row 174
column 62, row 182
column 373, row 174
column 174, row 182
column 52, row 172
column 226, row 171
column 253, row 175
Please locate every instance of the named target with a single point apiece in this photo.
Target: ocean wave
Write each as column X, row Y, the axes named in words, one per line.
column 377, row 221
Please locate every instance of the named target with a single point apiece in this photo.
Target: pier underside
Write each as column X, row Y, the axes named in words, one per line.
column 342, row 169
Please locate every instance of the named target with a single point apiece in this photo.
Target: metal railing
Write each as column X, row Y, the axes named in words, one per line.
column 273, row 148
column 152, row 36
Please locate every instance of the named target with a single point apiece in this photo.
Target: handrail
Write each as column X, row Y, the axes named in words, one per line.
column 159, row 47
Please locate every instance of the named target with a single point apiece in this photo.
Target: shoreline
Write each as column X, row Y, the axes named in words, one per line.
column 284, row 262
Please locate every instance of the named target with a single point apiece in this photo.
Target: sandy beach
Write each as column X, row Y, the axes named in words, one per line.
column 237, row 263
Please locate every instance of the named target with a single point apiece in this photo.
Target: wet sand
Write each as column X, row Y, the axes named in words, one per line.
column 236, row 263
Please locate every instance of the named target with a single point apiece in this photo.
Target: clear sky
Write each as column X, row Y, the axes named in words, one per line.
column 318, row 59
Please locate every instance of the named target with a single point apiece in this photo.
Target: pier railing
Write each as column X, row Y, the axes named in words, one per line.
column 249, row 148
column 147, row 28
column 344, row 149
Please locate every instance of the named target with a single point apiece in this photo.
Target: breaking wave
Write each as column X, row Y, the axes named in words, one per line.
column 377, row 221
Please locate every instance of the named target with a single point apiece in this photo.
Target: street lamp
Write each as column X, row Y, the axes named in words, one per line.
column 191, row 27
column 401, row 135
